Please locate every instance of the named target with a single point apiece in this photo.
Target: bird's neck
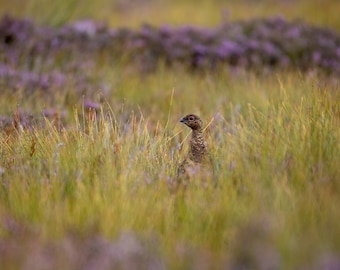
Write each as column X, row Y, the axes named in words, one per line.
column 197, row 134
column 197, row 146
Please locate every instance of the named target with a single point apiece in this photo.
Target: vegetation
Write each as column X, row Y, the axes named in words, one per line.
column 85, row 166
column 133, row 13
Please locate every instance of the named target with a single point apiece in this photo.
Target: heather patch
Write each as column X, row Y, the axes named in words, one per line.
column 258, row 44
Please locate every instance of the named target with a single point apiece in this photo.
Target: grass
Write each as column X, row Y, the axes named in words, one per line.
column 156, row 12
column 274, row 142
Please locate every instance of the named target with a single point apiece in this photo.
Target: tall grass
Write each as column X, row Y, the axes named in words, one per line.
column 274, row 144
column 94, row 189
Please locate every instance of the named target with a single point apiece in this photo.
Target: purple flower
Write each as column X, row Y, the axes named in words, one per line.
column 229, row 48
column 88, row 104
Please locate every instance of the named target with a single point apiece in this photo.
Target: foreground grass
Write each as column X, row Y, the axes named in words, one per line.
column 274, row 195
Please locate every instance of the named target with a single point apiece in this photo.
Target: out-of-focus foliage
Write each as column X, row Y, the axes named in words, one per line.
column 39, row 56
column 133, row 13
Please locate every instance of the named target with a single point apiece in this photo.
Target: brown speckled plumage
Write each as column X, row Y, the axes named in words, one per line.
column 197, row 156
column 198, row 148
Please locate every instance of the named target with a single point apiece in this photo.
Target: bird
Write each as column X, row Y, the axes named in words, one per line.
column 198, row 146
column 197, row 161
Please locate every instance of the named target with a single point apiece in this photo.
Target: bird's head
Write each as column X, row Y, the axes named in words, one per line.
column 192, row 121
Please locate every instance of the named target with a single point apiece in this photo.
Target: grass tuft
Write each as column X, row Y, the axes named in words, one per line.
column 276, row 164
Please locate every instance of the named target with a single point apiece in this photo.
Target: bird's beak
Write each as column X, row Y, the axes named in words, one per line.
column 182, row 120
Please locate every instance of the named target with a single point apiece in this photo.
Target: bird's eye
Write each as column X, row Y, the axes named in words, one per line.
column 191, row 118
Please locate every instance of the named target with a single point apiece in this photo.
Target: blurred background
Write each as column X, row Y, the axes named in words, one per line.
column 133, row 13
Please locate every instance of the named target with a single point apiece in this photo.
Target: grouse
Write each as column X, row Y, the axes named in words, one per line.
column 198, row 156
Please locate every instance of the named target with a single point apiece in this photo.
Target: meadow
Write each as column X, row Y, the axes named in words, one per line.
column 85, row 164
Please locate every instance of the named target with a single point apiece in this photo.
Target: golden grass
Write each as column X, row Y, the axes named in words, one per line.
column 274, row 142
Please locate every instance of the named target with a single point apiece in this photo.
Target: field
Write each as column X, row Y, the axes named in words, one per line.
column 85, row 164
